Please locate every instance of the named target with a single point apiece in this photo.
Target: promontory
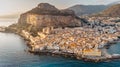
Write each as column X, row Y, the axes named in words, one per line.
column 50, row 30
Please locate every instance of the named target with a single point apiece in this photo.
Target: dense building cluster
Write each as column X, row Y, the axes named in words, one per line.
column 81, row 40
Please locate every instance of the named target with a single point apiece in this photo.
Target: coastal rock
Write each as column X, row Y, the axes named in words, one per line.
column 45, row 15
column 2, row 29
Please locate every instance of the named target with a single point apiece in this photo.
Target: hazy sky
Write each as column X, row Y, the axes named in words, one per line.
column 18, row 6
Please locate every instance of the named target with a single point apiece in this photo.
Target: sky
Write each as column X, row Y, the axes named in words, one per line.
column 8, row 7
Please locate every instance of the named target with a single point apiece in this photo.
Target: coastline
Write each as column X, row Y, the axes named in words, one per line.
column 72, row 55
column 67, row 54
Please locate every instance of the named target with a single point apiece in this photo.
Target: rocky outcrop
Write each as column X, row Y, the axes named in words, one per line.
column 2, row 29
column 47, row 15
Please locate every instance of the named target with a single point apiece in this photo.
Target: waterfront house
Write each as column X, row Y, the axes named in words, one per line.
column 92, row 52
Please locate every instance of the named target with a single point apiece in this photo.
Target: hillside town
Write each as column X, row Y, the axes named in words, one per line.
column 86, row 42
column 59, row 33
column 62, row 32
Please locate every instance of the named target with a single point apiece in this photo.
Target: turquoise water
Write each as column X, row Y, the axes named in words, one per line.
column 12, row 54
column 114, row 49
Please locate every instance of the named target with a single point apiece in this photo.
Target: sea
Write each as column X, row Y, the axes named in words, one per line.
column 13, row 53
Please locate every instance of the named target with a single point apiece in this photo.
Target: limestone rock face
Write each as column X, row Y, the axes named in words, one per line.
column 47, row 15
column 46, row 6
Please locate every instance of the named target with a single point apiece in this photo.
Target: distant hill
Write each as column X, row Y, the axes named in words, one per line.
column 87, row 9
column 91, row 9
column 9, row 16
column 114, row 3
column 113, row 11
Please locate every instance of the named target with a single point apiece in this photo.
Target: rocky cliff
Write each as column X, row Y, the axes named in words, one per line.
column 47, row 15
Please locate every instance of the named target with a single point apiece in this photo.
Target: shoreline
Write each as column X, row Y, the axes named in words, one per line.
column 74, row 56
column 67, row 54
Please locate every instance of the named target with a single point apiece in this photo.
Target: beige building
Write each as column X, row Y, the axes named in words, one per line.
column 41, row 35
column 91, row 52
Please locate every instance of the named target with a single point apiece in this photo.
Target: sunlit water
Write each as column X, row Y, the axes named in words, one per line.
column 13, row 54
column 114, row 49
column 7, row 22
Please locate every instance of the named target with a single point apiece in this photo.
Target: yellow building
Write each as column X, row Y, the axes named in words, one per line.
column 91, row 52
column 41, row 35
